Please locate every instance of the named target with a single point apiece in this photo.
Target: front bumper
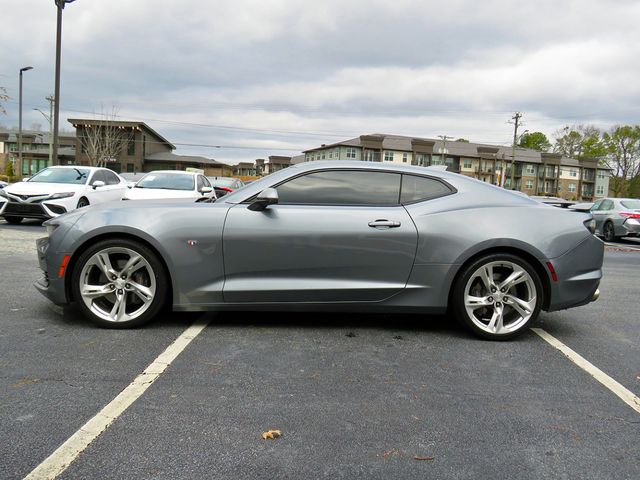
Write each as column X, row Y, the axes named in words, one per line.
column 41, row 211
column 579, row 273
column 51, row 284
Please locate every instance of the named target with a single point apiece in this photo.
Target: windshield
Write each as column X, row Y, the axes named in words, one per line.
column 76, row 176
column 632, row 204
column 166, row 181
column 222, row 182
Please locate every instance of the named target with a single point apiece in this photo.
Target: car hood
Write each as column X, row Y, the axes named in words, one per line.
column 35, row 188
column 157, row 193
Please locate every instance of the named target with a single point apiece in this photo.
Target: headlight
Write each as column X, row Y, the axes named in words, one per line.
column 591, row 225
column 3, row 194
column 62, row 195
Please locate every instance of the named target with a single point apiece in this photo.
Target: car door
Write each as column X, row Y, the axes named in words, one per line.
column 597, row 215
column 334, row 236
column 94, row 195
column 114, row 188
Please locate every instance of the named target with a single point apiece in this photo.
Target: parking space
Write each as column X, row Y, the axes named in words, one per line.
column 372, row 396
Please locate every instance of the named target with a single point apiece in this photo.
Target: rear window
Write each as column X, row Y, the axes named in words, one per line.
column 631, row 204
column 416, row 189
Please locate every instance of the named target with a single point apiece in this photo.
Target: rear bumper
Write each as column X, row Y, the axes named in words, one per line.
column 579, row 273
column 631, row 227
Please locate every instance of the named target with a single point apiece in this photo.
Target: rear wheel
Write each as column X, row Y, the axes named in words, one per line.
column 497, row 296
column 609, row 232
column 119, row 283
column 13, row 220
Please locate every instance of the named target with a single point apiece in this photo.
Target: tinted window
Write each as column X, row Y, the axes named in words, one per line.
column 98, row 175
column 415, row 188
column 342, row 188
column 112, row 178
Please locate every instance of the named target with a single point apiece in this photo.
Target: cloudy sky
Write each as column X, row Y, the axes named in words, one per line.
column 243, row 79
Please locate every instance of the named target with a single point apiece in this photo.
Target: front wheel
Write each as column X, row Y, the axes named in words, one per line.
column 497, row 296
column 119, row 283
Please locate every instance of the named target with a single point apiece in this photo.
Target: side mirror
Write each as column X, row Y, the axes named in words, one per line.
column 25, row 179
column 205, row 190
column 98, row 183
column 269, row 196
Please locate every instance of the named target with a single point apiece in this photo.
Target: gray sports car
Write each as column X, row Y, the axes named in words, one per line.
column 333, row 236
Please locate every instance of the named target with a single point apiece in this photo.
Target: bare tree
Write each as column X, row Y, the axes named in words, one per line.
column 623, row 145
column 103, row 140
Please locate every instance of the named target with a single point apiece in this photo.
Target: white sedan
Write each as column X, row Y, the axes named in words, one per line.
column 164, row 184
column 57, row 190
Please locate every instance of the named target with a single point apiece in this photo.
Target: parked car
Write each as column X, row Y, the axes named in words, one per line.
column 3, row 184
column 329, row 236
column 617, row 217
column 224, row 185
column 554, row 201
column 57, row 190
column 163, row 184
column 132, row 177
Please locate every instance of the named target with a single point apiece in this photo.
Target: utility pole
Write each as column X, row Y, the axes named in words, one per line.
column 51, row 100
column 444, row 147
column 516, row 118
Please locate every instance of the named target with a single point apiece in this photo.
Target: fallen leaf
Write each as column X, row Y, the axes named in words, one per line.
column 350, row 335
column 271, row 434
column 423, row 458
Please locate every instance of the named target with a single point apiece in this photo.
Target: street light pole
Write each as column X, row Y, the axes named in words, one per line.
column 19, row 173
column 56, row 114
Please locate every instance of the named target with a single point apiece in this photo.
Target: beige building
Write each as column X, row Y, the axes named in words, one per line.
column 35, row 150
column 534, row 173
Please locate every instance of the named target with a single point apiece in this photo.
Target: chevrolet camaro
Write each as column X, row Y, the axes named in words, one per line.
column 329, row 236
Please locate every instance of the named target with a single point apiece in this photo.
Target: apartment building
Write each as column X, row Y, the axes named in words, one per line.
column 534, row 173
column 36, row 146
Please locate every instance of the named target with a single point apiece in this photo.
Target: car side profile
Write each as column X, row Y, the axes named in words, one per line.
column 54, row 191
column 329, row 236
column 165, row 184
column 617, row 217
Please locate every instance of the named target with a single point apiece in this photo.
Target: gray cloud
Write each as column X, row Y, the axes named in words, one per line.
column 334, row 67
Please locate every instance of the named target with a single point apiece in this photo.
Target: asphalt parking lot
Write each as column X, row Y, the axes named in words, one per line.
column 367, row 396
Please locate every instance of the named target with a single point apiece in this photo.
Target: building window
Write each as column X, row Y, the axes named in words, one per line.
column 467, row 163
column 351, row 152
column 529, row 185
column 388, row 156
column 331, row 154
column 530, row 169
column 130, row 167
column 131, row 144
column 600, row 190
column 405, row 157
column 573, row 172
column 601, row 174
column 572, row 187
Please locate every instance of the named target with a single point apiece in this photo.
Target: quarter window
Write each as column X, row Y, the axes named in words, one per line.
column 341, row 187
column 111, row 178
column 415, row 189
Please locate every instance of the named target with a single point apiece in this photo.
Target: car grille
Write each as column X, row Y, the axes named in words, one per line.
column 24, row 210
column 27, row 197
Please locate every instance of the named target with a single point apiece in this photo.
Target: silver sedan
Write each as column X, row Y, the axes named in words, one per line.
column 617, row 217
column 329, row 236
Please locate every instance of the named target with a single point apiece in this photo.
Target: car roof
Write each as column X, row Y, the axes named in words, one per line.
column 176, row 172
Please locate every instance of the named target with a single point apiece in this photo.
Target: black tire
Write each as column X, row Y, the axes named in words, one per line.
column 609, row 232
column 150, row 276
column 13, row 220
column 514, row 322
column 83, row 202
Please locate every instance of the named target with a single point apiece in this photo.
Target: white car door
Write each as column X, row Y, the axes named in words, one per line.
column 115, row 187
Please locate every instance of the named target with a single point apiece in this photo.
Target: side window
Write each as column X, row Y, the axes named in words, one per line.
column 112, row 178
column 200, row 183
column 98, row 175
column 415, row 189
column 596, row 206
column 205, row 181
column 342, row 187
column 606, row 205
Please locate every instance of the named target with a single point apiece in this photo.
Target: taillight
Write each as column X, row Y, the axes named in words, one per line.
column 226, row 189
column 630, row 215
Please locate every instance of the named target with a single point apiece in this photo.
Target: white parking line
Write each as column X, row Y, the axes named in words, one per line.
column 66, row 453
column 625, row 395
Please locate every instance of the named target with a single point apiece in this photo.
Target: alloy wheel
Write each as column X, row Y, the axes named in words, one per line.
column 117, row 284
column 500, row 297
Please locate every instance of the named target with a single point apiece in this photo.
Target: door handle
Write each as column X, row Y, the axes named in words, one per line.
column 384, row 224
